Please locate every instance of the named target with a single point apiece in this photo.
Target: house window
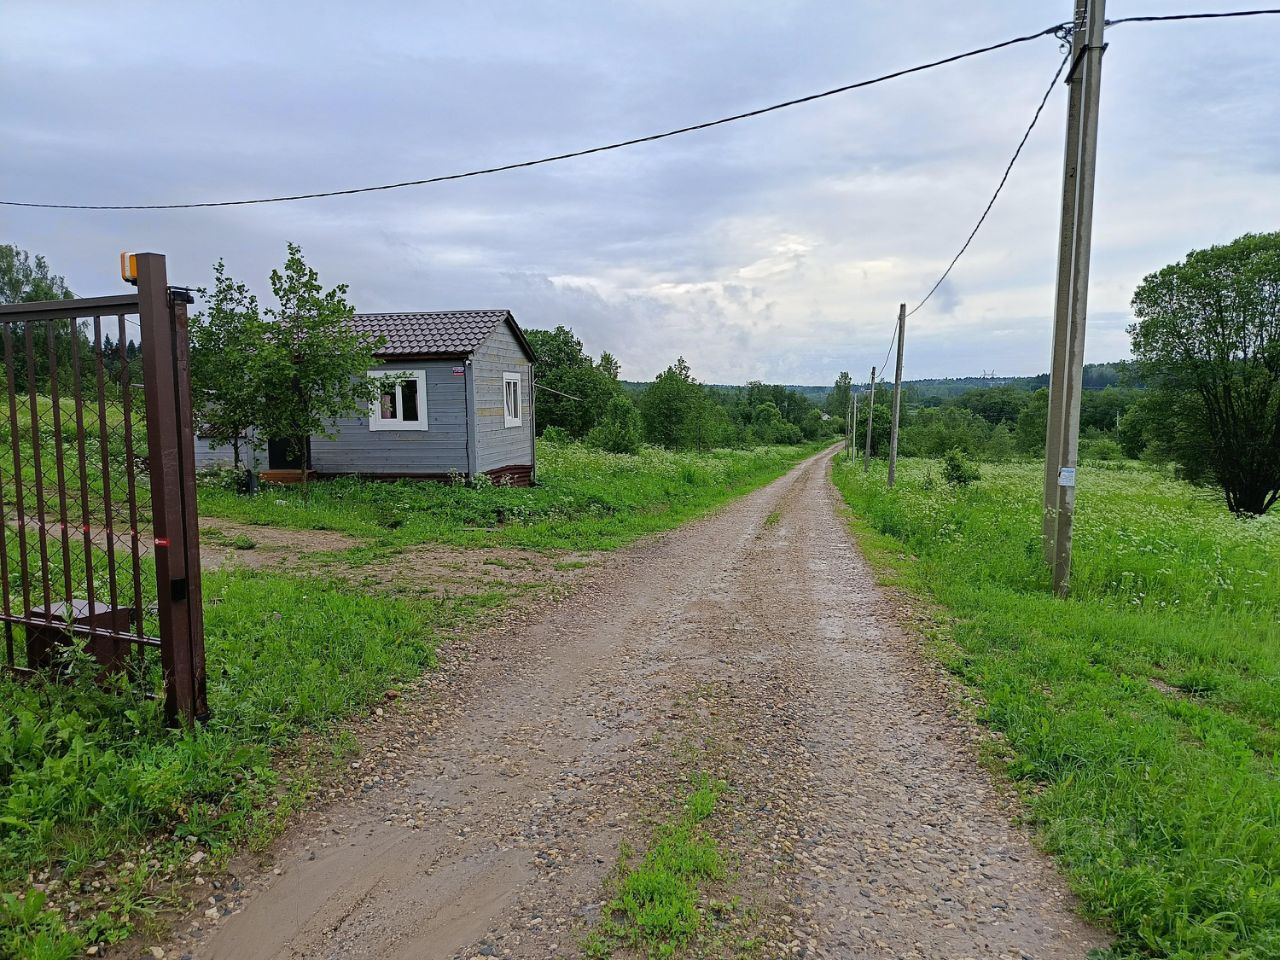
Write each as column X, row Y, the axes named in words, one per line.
column 402, row 404
column 511, row 399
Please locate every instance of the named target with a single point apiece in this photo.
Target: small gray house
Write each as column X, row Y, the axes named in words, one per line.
column 460, row 404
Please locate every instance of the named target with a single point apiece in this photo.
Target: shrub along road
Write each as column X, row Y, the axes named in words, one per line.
column 752, row 650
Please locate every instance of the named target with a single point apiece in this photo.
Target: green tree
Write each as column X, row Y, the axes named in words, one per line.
column 1033, row 423
column 1140, row 427
column 1207, row 338
column 1000, row 445
column 838, row 399
column 995, row 404
column 231, row 358
column 932, row 431
column 578, row 390
column 814, row 426
column 316, row 364
column 880, row 422
column 609, row 365
column 24, row 279
column 27, row 279
column 620, row 429
column 673, row 409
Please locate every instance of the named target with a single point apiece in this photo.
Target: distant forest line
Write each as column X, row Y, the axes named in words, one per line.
column 1097, row 376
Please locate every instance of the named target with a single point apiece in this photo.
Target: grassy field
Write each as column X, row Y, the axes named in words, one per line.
column 1141, row 715
column 100, row 805
column 586, row 500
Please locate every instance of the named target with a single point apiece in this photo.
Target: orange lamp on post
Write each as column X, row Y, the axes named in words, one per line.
column 129, row 268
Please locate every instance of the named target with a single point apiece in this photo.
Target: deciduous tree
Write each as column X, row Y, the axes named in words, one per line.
column 316, row 367
column 231, row 359
column 576, row 391
column 24, row 279
column 1207, row 338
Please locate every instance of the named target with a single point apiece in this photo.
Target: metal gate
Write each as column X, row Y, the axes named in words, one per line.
column 99, row 546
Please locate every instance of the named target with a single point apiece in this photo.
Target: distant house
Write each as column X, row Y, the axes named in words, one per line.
column 460, row 403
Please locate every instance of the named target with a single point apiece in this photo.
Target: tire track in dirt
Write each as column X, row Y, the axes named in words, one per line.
column 860, row 822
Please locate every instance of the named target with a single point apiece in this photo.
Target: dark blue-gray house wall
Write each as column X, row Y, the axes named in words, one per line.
column 498, row 445
column 439, row 450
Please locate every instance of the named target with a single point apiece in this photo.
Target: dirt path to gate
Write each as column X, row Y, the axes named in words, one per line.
column 754, row 645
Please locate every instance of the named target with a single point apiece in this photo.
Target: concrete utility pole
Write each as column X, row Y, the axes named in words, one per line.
column 871, row 409
column 1062, row 437
column 897, row 395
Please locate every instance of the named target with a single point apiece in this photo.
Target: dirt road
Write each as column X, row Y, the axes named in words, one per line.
column 753, row 645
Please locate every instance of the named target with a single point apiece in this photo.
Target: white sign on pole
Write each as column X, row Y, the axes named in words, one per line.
column 1066, row 476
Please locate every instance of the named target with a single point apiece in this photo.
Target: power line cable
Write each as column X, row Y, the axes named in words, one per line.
column 1055, row 29
column 1063, row 34
column 1048, row 31
column 893, row 336
column 1000, row 186
column 542, row 386
column 1035, row 118
column 1194, row 16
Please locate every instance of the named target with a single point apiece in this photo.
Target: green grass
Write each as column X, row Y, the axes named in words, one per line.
column 94, row 788
column 89, row 775
column 586, row 499
column 215, row 537
column 1140, row 715
column 657, row 905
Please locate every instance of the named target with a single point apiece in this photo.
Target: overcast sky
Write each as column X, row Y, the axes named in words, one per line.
column 776, row 248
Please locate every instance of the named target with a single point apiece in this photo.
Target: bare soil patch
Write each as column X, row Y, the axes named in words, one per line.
column 273, row 546
column 434, row 570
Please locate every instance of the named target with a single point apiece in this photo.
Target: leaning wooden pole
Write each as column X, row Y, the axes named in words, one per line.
column 897, row 395
column 853, row 428
column 871, row 409
column 1090, row 62
column 1062, row 295
column 848, row 425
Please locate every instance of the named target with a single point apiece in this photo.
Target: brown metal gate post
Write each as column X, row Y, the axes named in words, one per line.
column 167, row 391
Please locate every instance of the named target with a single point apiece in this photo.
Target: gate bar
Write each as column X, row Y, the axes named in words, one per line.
column 83, row 464
column 62, row 309
column 55, row 401
column 12, row 382
column 45, row 575
column 104, row 451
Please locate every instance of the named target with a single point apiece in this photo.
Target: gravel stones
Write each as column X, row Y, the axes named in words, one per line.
column 488, row 806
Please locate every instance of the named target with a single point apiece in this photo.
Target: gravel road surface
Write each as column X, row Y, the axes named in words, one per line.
column 754, row 645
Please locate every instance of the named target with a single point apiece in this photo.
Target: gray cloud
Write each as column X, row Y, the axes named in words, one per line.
column 776, row 248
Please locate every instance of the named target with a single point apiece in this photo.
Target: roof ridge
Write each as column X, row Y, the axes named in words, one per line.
column 427, row 313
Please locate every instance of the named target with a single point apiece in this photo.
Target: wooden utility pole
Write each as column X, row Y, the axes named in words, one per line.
column 1062, row 294
column 848, row 425
column 1071, row 310
column 853, row 431
column 897, row 395
column 871, row 409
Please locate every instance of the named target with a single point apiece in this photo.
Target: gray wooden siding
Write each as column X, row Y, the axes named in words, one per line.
column 498, row 445
column 208, row 456
column 441, row 448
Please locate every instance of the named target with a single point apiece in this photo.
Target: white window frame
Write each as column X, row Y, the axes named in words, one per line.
column 378, row 422
column 507, row 419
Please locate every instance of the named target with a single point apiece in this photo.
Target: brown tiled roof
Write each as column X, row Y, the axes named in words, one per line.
column 446, row 333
